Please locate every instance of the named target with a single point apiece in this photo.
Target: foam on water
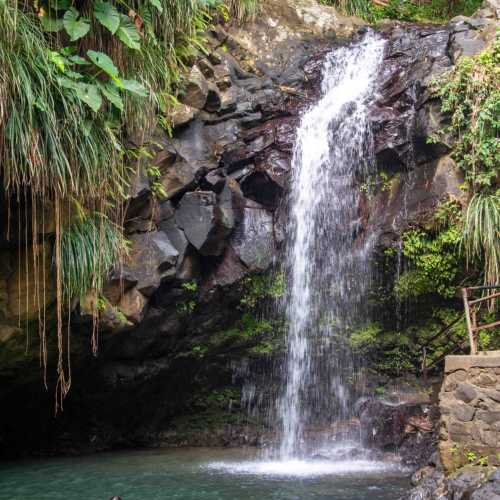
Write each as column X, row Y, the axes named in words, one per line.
column 305, row 468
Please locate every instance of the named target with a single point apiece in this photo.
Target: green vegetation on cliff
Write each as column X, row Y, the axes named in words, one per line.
column 436, row 11
column 77, row 78
column 470, row 94
column 457, row 245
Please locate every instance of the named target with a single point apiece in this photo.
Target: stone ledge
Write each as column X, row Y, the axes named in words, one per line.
column 487, row 359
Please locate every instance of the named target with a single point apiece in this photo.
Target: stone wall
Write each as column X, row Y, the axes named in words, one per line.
column 470, row 410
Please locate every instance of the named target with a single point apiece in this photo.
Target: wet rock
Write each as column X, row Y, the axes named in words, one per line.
column 214, row 101
column 253, row 240
column 413, row 56
column 190, row 268
column 464, row 482
column 132, row 305
column 175, row 235
column 231, row 203
column 261, row 187
column 182, row 115
column 429, row 483
column 228, row 271
column 198, row 215
column 152, row 257
column 196, row 89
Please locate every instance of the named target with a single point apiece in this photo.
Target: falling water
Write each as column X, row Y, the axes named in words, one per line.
column 327, row 257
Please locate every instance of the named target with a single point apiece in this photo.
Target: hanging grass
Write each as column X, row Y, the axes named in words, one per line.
column 89, row 249
column 361, row 8
column 481, row 235
column 50, row 141
column 243, row 10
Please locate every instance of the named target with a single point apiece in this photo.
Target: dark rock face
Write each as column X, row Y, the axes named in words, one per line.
column 198, row 217
column 408, row 428
column 404, row 115
column 254, row 241
column 413, row 56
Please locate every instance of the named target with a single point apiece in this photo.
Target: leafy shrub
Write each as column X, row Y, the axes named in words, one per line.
column 437, row 11
column 470, row 94
column 434, row 257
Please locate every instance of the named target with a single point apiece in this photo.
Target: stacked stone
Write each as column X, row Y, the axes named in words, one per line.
column 470, row 410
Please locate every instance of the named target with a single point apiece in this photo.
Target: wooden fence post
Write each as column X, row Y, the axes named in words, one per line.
column 472, row 340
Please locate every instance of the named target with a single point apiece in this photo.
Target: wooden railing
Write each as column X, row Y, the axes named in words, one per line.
column 471, row 309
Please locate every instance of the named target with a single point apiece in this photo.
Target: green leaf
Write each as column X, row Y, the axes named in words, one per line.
column 157, row 5
column 107, row 15
column 128, row 34
column 73, row 74
column 78, row 60
column 57, row 59
column 51, row 24
column 75, row 26
column 104, row 62
column 112, row 94
column 135, row 87
column 66, row 83
column 89, row 94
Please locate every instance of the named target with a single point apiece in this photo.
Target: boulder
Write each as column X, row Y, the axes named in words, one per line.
column 231, row 204
column 178, row 177
column 206, row 68
column 199, row 216
column 229, row 271
column 466, row 43
column 253, row 240
column 182, row 115
column 152, row 257
column 195, row 90
column 222, row 76
column 132, row 305
column 176, row 236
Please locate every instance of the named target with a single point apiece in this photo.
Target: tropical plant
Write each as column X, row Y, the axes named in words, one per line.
column 481, row 235
column 406, row 10
column 243, row 9
column 470, row 94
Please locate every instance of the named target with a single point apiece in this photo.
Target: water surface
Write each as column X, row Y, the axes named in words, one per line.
column 193, row 474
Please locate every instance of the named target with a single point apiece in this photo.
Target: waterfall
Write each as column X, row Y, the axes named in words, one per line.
column 327, row 252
